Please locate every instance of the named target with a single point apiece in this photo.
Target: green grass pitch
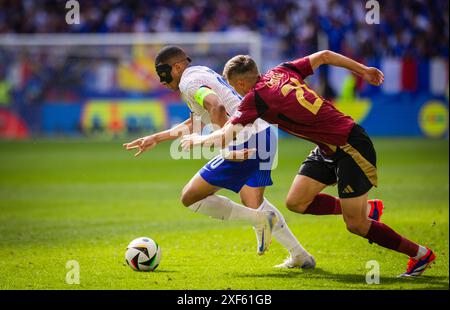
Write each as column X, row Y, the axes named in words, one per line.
column 85, row 200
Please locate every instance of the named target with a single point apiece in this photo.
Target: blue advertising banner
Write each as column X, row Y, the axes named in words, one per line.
column 61, row 118
column 400, row 115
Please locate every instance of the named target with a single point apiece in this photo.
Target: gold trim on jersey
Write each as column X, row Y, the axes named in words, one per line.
column 275, row 79
column 331, row 146
column 369, row 170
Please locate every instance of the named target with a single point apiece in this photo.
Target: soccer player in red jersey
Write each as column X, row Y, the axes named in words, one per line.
column 344, row 155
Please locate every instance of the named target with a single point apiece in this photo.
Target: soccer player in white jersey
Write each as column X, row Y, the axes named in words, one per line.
column 210, row 97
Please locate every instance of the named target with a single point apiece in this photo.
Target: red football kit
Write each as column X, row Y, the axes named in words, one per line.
column 282, row 97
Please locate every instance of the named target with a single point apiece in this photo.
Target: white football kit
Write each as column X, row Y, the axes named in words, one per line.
column 232, row 175
column 197, row 76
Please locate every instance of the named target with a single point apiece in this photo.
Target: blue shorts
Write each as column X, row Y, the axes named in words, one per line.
column 254, row 172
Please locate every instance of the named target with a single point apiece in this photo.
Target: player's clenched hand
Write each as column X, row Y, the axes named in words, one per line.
column 373, row 76
column 141, row 144
column 239, row 155
column 189, row 141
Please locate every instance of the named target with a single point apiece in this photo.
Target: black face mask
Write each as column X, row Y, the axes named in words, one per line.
column 164, row 72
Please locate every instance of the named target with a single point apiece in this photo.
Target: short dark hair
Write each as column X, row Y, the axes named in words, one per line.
column 169, row 52
column 239, row 65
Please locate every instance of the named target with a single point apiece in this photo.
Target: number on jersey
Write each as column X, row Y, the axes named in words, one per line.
column 300, row 90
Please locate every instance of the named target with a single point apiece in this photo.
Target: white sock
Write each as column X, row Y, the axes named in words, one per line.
column 421, row 252
column 223, row 208
column 282, row 233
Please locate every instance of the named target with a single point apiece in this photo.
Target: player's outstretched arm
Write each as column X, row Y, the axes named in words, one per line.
column 216, row 110
column 369, row 74
column 219, row 138
column 148, row 142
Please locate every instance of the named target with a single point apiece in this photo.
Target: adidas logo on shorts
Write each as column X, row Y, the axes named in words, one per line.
column 348, row 190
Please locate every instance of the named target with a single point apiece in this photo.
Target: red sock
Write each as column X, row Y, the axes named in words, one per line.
column 324, row 204
column 386, row 237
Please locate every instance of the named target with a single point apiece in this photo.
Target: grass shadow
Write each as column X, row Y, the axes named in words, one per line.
column 431, row 282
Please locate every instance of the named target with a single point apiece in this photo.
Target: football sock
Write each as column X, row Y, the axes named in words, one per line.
column 282, row 233
column 386, row 237
column 324, row 204
column 223, row 208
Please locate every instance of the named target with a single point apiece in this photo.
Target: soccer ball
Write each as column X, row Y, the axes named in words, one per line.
column 143, row 254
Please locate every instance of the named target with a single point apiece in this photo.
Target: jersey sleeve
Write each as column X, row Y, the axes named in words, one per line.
column 189, row 89
column 246, row 112
column 303, row 66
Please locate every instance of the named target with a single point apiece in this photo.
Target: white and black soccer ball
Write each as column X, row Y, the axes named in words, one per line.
column 143, row 254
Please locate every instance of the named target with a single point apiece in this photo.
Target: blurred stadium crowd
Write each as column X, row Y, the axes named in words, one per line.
column 408, row 27
column 51, row 87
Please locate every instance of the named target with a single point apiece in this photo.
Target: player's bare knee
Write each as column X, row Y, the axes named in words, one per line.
column 184, row 200
column 303, row 206
column 251, row 203
column 244, row 201
column 355, row 227
column 296, row 206
column 188, row 198
column 290, row 206
column 351, row 227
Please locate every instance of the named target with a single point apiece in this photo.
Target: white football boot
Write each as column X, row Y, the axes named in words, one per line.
column 264, row 231
column 299, row 261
